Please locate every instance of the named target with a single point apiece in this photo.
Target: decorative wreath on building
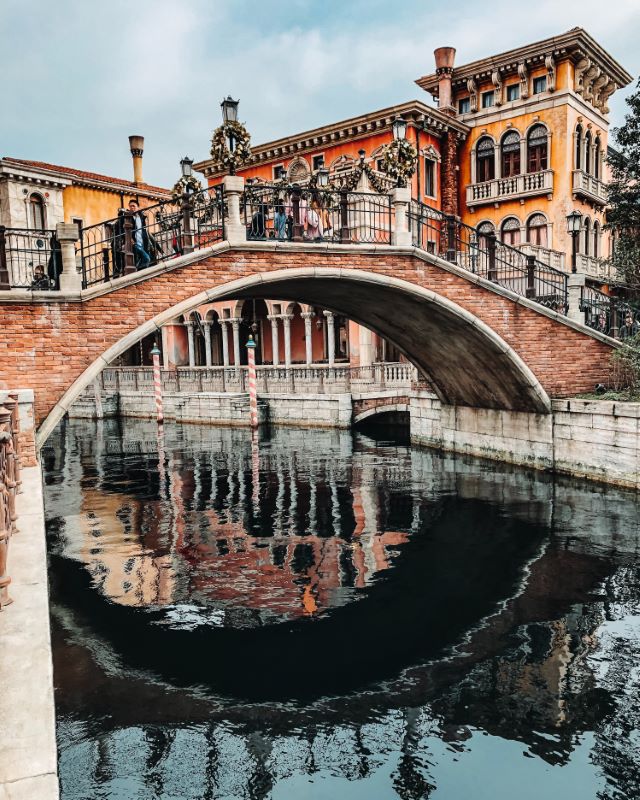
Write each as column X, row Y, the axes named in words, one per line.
column 220, row 145
column 185, row 185
column 399, row 160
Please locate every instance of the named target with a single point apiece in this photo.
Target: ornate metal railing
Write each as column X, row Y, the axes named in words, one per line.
column 9, row 486
column 311, row 214
column 314, row 378
column 612, row 316
column 445, row 236
column 171, row 228
column 29, row 259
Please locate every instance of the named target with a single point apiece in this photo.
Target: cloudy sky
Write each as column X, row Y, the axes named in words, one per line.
column 80, row 75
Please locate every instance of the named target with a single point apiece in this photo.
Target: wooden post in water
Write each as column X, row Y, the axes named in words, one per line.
column 253, row 389
column 157, row 383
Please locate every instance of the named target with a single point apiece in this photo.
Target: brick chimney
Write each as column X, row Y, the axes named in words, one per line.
column 136, row 144
column 445, row 56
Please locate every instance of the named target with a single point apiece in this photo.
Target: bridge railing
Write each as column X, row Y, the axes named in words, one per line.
column 446, row 236
column 314, row 378
column 609, row 315
column 9, row 486
column 172, row 228
column 312, row 214
column 26, row 260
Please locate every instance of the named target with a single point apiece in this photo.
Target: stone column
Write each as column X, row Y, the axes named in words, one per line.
column 286, row 324
column 365, row 346
column 235, row 327
column 401, row 197
column 192, row 344
column 307, row 316
column 449, row 173
column 275, row 347
column 225, row 342
column 574, row 285
column 70, row 278
column 207, row 341
column 235, row 231
column 331, row 338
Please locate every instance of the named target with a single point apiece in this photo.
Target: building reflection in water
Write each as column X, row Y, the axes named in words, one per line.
column 547, row 677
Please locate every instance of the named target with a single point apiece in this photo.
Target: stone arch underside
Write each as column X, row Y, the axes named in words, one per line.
column 463, row 359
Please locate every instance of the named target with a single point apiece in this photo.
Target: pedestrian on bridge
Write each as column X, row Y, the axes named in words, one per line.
column 141, row 244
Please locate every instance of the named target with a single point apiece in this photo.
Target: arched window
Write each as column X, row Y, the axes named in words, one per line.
column 596, row 239
column 578, row 153
column 537, row 230
column 537, row 148
column 596, row 158
column 485, row 160
column 36, row 212
column 483, row 230
column 587, row 153
column 510, row 150
column 587, row 236
column 511, row 231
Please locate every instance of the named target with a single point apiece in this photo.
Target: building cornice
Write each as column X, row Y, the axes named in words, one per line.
column 602, row 72
column 415, row 112
column 14, row 173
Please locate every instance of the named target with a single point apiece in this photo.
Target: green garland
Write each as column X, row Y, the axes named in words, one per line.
column 184, row 185
column 399, row 160
column 220, row 152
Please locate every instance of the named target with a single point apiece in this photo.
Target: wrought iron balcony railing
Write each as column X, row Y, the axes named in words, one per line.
column 29, row 259
column 529, row 184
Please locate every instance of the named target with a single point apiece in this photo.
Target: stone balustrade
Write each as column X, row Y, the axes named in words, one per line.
column 588, row 187
column 529, row 184
column 9, row 486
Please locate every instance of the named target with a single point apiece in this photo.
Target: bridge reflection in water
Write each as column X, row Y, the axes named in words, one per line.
column 352, row 621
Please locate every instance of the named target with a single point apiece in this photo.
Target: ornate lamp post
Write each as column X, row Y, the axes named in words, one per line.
column 399, row 128
column 186, row 167
column 230, row 142
column 230, row 114
column 574, row 226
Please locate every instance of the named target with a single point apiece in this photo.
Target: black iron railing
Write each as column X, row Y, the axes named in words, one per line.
column 29, row 259
column 612, row 316
column 308, row 214
column 169, row 229
column 445, row 236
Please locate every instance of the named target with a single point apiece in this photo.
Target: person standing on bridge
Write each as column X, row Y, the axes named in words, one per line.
column 140, row 236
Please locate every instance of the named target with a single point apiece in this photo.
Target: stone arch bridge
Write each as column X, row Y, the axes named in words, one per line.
column 479, row 344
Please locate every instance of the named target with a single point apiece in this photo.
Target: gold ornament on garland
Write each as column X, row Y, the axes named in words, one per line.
column 185, row 185
column 220, row 152
column 399, row 161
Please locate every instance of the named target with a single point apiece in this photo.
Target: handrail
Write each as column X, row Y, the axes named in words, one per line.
column 9, row 486
column 612, row 316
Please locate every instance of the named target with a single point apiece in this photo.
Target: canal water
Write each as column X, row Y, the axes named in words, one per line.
column 328, row 614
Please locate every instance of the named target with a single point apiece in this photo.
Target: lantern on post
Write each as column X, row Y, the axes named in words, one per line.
column 574, row 226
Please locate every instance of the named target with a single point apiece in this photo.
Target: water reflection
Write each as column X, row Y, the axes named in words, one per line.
column 333, row 616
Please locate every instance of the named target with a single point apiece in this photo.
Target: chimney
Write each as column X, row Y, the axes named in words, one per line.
column 445, row 56
column 136, row 143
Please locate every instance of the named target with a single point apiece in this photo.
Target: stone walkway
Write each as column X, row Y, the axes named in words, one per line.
column 28, row 756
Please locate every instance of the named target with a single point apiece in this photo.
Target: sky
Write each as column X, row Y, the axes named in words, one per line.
column 79, row 76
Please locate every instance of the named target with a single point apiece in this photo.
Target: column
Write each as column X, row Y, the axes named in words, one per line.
column 235, row 327
column 225, row 342
column 307, row 316
column 286, row 323
column 192, row 346
column 70, row 278
column 235, row 231
column 401, row 197
column 331, row 338
column 275, row 347
column 365, row 346
column 207, row 341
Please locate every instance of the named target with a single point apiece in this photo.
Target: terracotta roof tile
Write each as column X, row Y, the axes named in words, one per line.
column 88, row 176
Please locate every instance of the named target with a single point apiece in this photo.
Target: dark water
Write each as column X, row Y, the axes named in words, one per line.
column 328, row 615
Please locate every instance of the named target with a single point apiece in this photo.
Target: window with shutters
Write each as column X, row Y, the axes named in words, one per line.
column 485, row 160
column 537, row 149
column 510, row 150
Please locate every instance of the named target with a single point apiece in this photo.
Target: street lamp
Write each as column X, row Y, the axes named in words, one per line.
column 186, row 165
column 574, row 226
column 362, row 153
column 399, row 128
column 323, row 177
column 229, row 109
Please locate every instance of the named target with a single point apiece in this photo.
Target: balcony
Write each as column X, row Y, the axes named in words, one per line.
column 501, row 189
column 593, row 267
column 590, row 188
column 553, row 258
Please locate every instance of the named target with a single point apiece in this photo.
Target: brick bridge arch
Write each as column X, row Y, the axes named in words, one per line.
column 479, row 344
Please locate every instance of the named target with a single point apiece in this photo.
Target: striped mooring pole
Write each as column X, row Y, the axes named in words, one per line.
column 157, row 383
column 253, row 393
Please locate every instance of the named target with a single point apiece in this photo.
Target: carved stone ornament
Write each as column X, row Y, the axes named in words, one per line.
column 473, row 94
column 523, row 72
column 550, row 64
column 496, row 79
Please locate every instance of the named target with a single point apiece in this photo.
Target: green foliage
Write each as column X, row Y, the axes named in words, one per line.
column 623, row 216
column 625, row 367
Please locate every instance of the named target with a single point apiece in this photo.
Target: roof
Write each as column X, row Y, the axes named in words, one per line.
column 93, row 178
column 428, row 117
column 576, row 44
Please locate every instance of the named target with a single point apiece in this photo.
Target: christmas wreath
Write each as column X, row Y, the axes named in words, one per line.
column 185, row 185
column 220, row 152
column 399, row 160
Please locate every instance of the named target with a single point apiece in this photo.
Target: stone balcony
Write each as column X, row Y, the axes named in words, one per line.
column 498, row 190
column 589, row 188
column 593, row 267
column 553, row 258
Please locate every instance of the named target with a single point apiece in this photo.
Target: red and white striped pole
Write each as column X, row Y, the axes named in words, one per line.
column 157, row 383
column 253, row 392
